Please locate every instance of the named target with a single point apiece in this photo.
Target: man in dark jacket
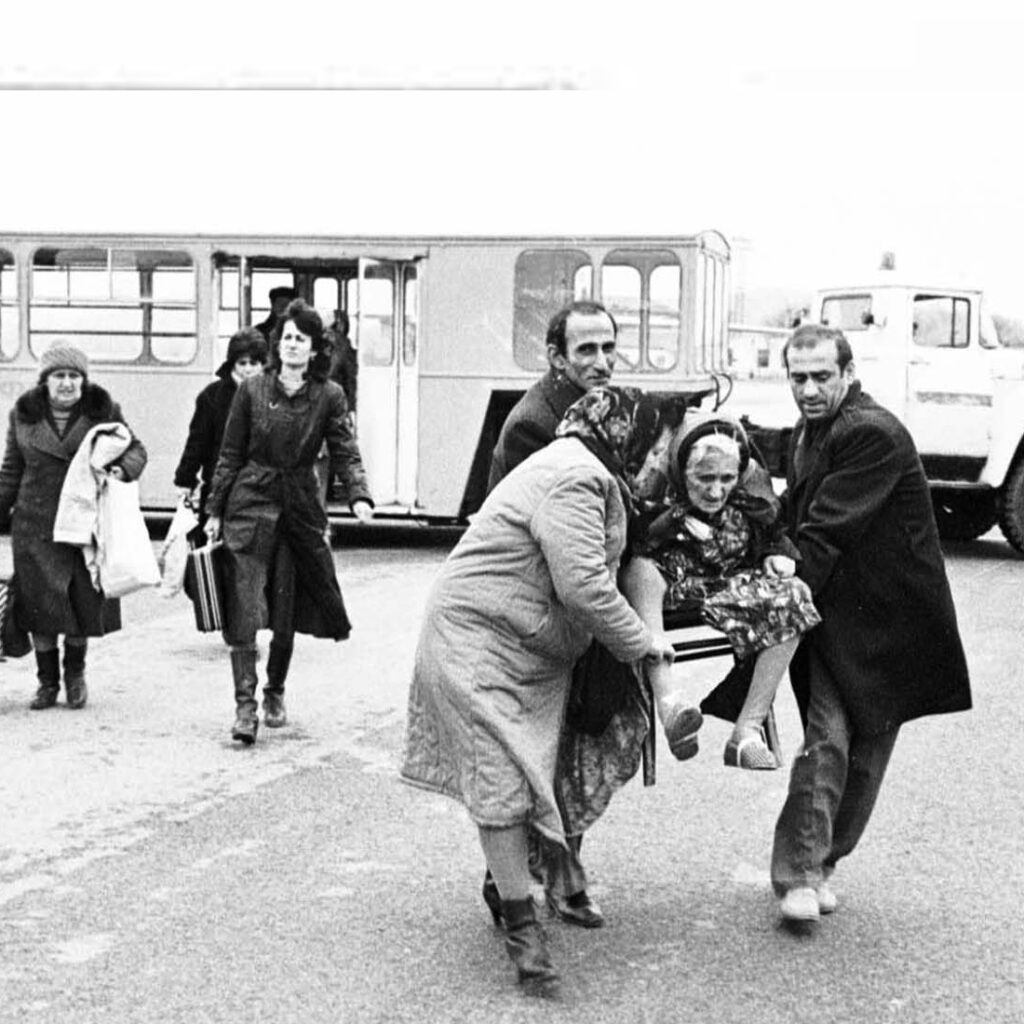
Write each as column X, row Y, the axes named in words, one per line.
column 279, row 299
column 888, row 649
column 581, row 342
column 581, row 350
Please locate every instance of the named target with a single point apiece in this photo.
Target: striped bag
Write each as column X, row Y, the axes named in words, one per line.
column 204, row 584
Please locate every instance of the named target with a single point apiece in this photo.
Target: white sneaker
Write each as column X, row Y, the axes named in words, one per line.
column 800, row 904
column 827, row 899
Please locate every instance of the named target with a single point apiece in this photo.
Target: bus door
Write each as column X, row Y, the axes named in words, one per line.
column 375, row 304
column 949, row 383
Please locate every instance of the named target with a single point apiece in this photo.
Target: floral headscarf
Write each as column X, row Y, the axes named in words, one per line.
column 618, row 425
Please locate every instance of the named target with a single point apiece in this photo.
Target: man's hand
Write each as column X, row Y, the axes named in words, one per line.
column 779, row 566
column 363, row 511
column 213, row 529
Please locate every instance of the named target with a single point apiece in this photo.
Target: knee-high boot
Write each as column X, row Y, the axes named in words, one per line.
column 527, row 947
column 278, row 660
column 243, row 668
column 48, row 674
column 74, row 674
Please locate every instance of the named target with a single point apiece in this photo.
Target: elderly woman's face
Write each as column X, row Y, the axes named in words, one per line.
column 711, row 475
column 295, row 347
column 64, row 388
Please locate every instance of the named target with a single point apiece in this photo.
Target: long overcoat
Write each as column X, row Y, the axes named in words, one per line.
column 516, row 603
column 531, row 423
column 55, row 593
column 860, row 512
column 280, row 569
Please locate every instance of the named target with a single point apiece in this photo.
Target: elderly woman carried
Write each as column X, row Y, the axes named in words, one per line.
column 720, row 542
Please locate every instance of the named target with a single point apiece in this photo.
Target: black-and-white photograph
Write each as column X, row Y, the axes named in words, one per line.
column 511, row 514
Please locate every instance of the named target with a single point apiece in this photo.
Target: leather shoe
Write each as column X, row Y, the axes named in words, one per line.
column 578, row 909
column 800, row 904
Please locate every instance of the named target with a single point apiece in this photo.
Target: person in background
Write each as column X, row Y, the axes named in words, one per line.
column 55, row 591
column 519, row 599
column 264, row 502
column 581, row 340
column 279, row 299
column 888, row 650
column 344, row 362
column 246, row 357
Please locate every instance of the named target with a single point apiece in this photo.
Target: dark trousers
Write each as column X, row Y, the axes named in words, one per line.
column 832, row 789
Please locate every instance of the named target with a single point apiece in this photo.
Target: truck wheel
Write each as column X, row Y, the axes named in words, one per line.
column 963, row 515
column 1010, row 505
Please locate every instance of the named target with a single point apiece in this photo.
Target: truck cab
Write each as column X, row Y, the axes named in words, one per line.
column 931, row 355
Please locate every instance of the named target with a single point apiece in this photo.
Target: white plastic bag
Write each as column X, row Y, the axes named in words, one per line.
column 174, row 553
column 124, row 552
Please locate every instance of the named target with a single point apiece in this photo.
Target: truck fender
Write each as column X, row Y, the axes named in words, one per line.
column 1007, row 430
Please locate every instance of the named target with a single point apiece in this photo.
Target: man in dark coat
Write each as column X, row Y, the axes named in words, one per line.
column 581, row 341
column 888, row 649
column 581, row 350
column 279, row 299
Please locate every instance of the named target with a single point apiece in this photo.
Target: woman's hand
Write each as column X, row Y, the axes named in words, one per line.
column 362, row 510
column 212, row 528
column 184, row 496
column 117, row 473
column 661, row 649
column 779, row 566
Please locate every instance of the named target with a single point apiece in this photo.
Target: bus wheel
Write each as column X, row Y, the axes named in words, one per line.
column 1010, row 505
column 963, row 515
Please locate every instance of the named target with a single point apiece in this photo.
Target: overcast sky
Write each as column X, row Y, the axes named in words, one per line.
column 823, row 139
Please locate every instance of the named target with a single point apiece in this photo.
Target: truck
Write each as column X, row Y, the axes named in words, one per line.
column 931, row 354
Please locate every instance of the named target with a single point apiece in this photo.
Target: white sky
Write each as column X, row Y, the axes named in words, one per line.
column 822, row 138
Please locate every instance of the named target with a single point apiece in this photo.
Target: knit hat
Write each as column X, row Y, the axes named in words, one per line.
column 247, row 342
column 62, row 356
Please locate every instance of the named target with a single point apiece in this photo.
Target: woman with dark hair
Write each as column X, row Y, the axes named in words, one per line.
column 246, row 357
column 55, row 590
column 264, row 504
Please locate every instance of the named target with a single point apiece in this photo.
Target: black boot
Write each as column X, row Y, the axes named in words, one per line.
column 278, row 660
column 48, row 674
column 243, row 668
column 528, row 948
column 74, row 674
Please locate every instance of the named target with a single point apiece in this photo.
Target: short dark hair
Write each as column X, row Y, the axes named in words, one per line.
column 308, row 320
column 556, row 328
column 810, row 335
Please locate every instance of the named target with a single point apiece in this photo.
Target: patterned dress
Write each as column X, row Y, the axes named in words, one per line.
column 716, row 560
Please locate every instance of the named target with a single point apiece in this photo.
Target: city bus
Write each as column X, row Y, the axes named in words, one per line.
column 449, row 332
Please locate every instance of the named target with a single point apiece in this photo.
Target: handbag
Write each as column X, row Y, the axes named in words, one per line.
column 204, row 584
column 124, row 552
column 601, row 686
column 14, row 641
column 174, row 553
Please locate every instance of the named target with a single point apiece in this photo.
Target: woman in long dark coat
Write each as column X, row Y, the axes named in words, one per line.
column 264, row 501
column 55, row 594
column 246, row 357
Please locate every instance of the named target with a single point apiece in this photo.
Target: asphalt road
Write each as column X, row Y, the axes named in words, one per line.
column 151, row 872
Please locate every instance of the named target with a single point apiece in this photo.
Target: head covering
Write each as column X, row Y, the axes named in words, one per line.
column 698, row 426
column 249, row 341
column 618, row 425
column 281, row 292
column 62, row 356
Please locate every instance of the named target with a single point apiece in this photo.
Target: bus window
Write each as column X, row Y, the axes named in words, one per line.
column 326, row 297
column 411, row 306
column 118, row 305
column 941, row 321
column 8, row 306
column 666, row 284
column 375, row 341
column 546, row 280
column 228, row 313
column 620, row 293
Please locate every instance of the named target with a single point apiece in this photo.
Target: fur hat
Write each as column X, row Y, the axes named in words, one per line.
column 62, row 356
column 247, row 342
